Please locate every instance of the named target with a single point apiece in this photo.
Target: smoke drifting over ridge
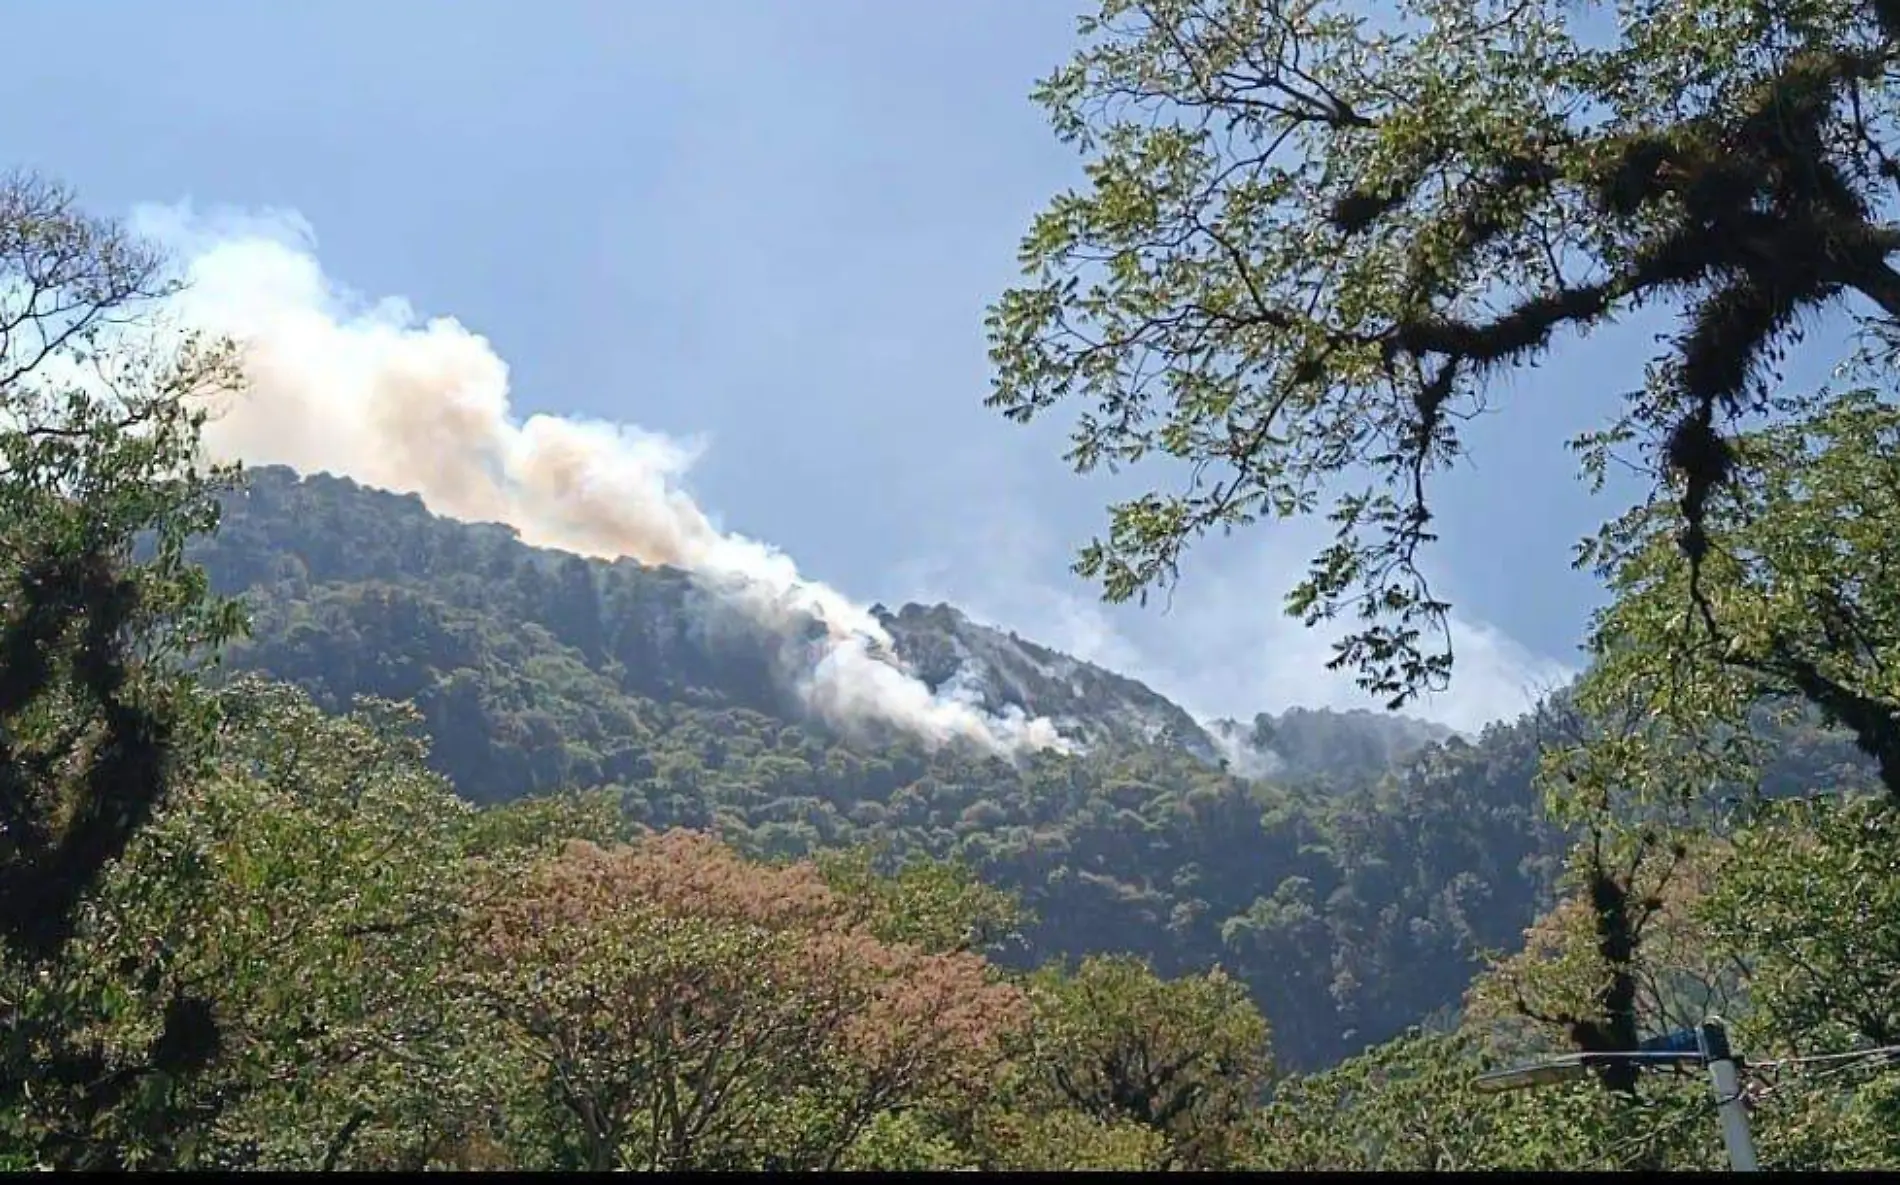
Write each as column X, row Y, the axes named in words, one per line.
column 376, row 393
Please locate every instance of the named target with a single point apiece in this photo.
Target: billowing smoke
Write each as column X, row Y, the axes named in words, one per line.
column 374, row 392
column 1244, row 758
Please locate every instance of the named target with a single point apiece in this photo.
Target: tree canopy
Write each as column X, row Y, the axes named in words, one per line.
column 100, row 488
column 1793, row 601
column 1312, row 241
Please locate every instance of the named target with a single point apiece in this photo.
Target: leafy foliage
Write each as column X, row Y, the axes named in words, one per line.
column 1185, row 1059
column 687, row 1010
column 1823, row 988
column 97, row 446
column 1310, row 243
column 307, row 891
column 1791, row 601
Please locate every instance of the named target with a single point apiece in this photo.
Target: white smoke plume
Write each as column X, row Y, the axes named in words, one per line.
column 376, row 393
column 1236, row 747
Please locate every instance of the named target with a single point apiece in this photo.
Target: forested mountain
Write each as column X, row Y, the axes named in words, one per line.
column 428, row 849
column 536, row 670
column 657, row 632
column 1354, row 888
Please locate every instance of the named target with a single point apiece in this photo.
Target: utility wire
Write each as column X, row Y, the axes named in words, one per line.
column 1858, row 1060
column 1835, row 1063
column 1818, row 1058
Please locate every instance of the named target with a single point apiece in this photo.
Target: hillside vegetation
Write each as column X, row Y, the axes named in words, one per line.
column 1355, row 893
column 537, row 671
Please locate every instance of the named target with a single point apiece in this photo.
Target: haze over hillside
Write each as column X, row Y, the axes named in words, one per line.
column 372, row 390
column 942, row 650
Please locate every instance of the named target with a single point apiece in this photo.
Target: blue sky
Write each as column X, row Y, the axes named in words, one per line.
column 773, row 227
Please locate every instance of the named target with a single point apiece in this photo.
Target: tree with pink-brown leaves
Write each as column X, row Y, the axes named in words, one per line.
column 686, row 1009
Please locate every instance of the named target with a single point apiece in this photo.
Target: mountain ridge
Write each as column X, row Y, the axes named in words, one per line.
column 942, row 645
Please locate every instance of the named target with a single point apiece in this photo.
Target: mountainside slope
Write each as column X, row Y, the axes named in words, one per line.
column 1352, row 891
column 658, row 632
column 944, row 648
column 1350, row 911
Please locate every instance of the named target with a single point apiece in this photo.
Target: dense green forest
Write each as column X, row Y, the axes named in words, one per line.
column 338, row 835
column 1353, row 899
column 536, row 671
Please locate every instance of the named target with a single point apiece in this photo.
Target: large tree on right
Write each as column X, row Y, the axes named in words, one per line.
column 1312, row 241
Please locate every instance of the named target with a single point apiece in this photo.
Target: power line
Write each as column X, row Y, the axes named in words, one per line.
column 1706, row 1046
column 1849, row 1062
column 1887, row 1051
column 1837, row 1064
